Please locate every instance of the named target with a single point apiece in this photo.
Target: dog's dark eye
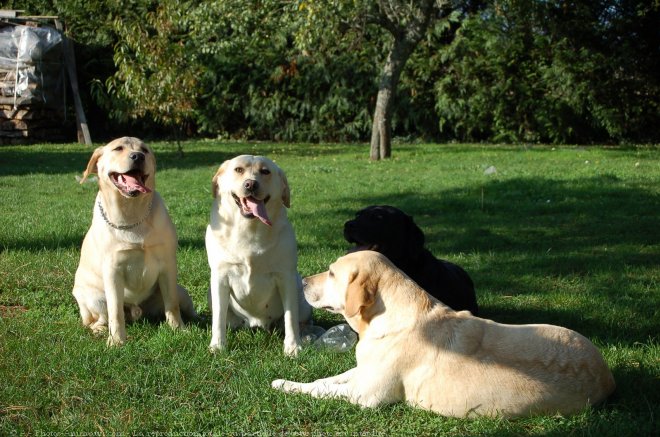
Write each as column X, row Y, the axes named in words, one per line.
column 144, row 150
column 264, row 171
column 239, row 170
column 331, row 273
column 118, row 149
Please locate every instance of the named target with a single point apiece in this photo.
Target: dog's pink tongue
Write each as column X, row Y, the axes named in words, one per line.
column 132, row 183
column 258, row 209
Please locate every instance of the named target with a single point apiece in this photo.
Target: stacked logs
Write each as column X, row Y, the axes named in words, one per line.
column 32, row 85
column 31, row 123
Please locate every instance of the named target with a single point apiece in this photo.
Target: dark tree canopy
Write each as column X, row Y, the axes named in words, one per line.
column 335, row 70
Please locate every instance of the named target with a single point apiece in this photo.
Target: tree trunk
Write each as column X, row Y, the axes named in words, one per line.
column 381, row 130
column 381, row 144
column 407, row 22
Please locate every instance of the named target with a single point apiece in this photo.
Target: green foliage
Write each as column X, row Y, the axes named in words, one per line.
column 542, row 72
column 498, row 70
column 157, row 76
column 259, row 83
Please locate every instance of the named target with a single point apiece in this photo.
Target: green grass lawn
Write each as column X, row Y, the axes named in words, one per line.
column 566, row 235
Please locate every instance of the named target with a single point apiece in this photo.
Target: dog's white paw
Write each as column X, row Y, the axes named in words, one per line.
column 115, row 340
column 216, row 346
column 174, row 319
column 286, row 386
column 99, row 328
column 292, row 349
column 279, row 384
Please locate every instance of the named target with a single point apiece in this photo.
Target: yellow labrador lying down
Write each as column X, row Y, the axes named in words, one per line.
column 128, row 257
column 414, row 348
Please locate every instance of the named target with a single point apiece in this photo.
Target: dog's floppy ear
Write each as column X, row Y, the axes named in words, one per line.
column 286, row 191
column 361, row 292
column 92, row 168
column 214, row 181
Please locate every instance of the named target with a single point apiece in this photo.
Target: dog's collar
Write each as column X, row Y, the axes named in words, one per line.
column 124, row 227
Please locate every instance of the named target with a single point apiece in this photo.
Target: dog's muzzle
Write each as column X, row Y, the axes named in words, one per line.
column 133, row 182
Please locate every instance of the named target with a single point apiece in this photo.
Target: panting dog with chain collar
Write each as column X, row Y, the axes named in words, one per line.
column 128, row 258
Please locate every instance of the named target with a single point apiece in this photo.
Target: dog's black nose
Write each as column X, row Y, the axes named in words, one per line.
column 250, row 184
column 137, row 156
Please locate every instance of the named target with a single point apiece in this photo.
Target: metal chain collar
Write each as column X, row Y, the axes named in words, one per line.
column 124, row 227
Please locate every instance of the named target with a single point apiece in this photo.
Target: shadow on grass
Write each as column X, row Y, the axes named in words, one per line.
column 594, row 228
column 530, row 215
column 637, row 382
column 16, row 163
column 23, row 161
column 28, row 160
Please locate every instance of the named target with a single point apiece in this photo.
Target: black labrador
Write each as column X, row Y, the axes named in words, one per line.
column 393, row 233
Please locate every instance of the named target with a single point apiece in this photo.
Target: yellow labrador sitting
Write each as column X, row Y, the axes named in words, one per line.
column 128, row 257
column 414, row 348
column 252, row 253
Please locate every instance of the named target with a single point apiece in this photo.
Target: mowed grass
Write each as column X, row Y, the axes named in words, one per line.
column 565, row 235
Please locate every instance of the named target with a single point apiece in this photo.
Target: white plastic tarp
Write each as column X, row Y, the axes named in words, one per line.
column 30, row 64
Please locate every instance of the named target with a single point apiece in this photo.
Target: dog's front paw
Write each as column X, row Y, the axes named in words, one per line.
column 115, row 340
column 216, row 346
column 174, row 319
column 285, row 386
column 292, row 349
column 279, row 384
column 99, row 328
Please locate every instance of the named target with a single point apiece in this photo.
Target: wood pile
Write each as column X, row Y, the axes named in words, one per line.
column 32, row 123
column 32, row 84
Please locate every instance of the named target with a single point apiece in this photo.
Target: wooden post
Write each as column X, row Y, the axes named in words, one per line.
column 70, row 61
